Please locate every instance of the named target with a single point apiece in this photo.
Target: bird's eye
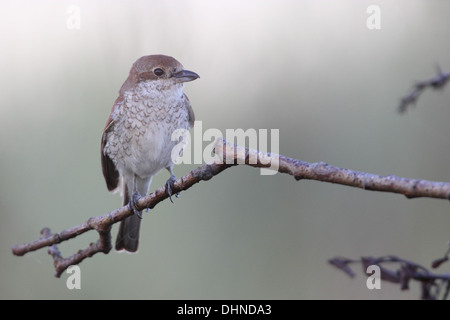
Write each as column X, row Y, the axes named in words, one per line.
column 158, row 72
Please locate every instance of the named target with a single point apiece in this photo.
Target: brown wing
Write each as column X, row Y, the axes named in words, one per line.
column 188, row 106
column 109, row 169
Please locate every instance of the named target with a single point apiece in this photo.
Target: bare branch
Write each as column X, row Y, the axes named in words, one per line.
column 437, row 82
column 321, row 171
column 229, row 155
column 103, row 223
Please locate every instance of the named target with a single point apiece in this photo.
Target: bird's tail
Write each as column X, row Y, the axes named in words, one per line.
column 128, row 235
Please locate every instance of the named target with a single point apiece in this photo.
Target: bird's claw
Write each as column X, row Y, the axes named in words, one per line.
column 170, row 184
column 133, row 204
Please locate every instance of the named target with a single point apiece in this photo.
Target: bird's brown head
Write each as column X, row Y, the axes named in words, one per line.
column 157, row 67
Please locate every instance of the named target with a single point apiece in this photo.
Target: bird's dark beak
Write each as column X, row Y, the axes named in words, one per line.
column 185, row 76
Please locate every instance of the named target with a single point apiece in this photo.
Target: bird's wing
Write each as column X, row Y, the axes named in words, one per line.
column 188, row 107
column 109, row 169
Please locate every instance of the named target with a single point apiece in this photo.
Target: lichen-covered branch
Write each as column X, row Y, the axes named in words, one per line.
column 102, row 224
column 228, row 155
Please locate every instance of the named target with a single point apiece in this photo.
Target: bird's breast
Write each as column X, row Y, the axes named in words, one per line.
column 140, row 140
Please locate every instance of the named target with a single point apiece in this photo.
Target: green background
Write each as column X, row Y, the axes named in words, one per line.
column 311, row 69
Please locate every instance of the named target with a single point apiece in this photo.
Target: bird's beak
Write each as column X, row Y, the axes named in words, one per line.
column 185, row 76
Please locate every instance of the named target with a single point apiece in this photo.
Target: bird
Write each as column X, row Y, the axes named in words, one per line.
column 136, row 141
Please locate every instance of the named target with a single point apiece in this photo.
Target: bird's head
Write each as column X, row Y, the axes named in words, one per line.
column 166, row 70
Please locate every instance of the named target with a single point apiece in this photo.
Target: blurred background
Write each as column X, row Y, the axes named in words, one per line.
column 311, row 69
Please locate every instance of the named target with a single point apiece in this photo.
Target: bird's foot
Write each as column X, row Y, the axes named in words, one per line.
column 133, row 204
column 170, row 186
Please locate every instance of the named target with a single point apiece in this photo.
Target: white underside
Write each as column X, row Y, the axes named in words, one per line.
column 140, row 141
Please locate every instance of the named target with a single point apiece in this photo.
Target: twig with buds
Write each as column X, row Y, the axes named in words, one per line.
column 228, row 155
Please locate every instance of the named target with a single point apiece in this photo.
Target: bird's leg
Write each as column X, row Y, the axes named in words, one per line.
column 170, row 184
column 134, row 199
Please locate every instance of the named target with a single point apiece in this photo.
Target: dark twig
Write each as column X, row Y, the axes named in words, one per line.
column 437, row 263
column 405, row 272
column 437, row 82
column 229, row 155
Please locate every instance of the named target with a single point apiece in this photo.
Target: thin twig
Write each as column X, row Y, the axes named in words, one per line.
column 406, row 271
column 436, row 82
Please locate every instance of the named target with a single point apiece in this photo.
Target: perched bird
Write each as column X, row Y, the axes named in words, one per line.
column 136, row 141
